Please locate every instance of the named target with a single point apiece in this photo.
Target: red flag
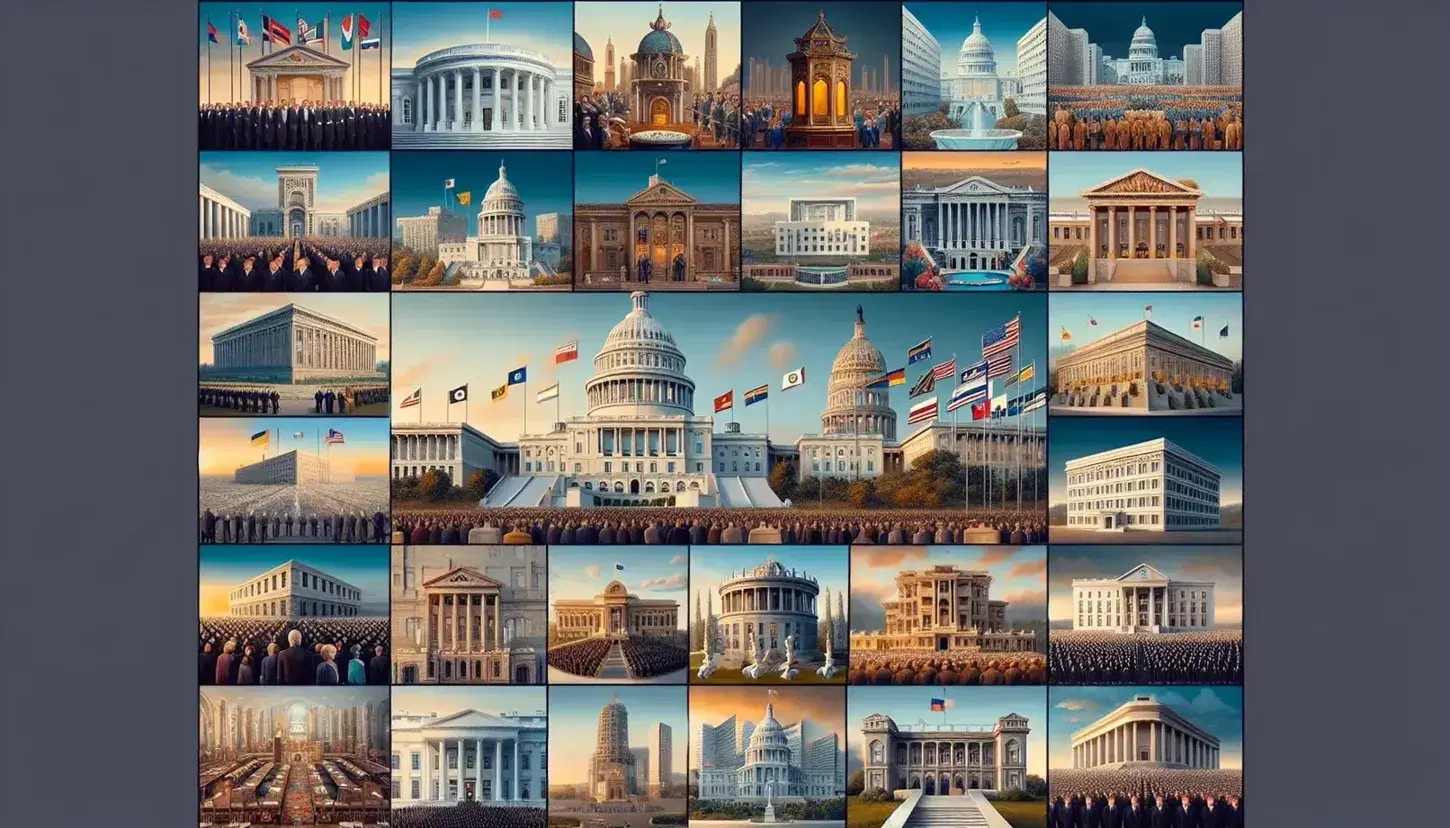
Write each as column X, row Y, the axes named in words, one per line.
column 495, row 14
column 981, row 410
column 725, row 401
column 362, row 26
column 278, row 32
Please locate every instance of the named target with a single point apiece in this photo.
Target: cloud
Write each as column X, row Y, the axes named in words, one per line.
column 993, row 555
column 252, row 193
column 1204, row 704
column 669, row 583
column 874, row 556
column 1035, row 568
column 1078, row 705
column 1026, row 596
column 678, row 560
column 747, row 335
column 592, row 571
column 413, row 374
column 782, row 355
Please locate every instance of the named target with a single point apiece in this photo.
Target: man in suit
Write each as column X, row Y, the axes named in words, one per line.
column 1215, row 813
column 206, row 667
column 1188, row 812
column 350, row 126
column 1159, row 815
column 269, row 665
column 1113, row 814
column 378, row 280
column 304, row 125
column 1060, row 816
column 300, row 277
column 1235, row 812
column 378, row 667
column 294, row 664
column 1135, row 816
column 294, row 124
column 274, row 280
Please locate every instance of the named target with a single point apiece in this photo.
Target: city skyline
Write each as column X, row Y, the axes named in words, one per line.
column 1217, row 440
column 225, row 444
column 1175, row 24
column 250, row 178
column 220, row 311
column 418, row 178
column 746, row 341
column 224, row 568
column 626, row 24
column 422, row 28
column 709, row 178
column 1221, row 565
column 1003, row 24
column 769, row 181
column 574, row 721
column 651, row 573
column 1175, row 312
column 709, row 567
column 1019, row 577
column 274, row 697
column 974, row 706
column 1218, row 710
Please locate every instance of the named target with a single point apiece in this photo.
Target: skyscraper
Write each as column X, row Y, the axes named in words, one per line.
column 661, row 743
column 610, row 82
column 611, row 766
column 712, row 70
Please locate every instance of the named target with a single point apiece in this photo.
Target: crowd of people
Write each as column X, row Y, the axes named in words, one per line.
column 598, row 116
column 297, row 651
column 266, row 400
column 467, row 815
column 702, row 526
column 877, row 124
column 294, row 126
column 272, row 264
column 580, row 658
column 1092, row 657
column 1146, row 809
column 976, row 669
column 272, row 527
column 1094, row 128
column 650, row 657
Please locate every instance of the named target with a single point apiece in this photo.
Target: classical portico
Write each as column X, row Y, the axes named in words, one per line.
column 295, row 344
column 479, row 88
column 1144, row 730
column 976, row 223
column 1142, row 600
column 298, row 73
column 615, row 612
column 1142, row 216
column 945, row 759
column 470, row 756
column 463, row 633
column 220, row 217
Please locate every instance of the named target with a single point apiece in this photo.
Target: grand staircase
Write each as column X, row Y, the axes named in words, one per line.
column 614, row 666
column 970, row 810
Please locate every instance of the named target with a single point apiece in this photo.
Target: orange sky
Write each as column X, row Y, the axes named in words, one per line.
column 976, row 161
column 226, row 445
column 825, row 706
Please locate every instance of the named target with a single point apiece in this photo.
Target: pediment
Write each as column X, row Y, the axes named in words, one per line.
column 471, row 718
column 976, row 185
column 1141, row 182
column 661, row 193
column 1143, row 572
column 463, row 576
column 295, row 57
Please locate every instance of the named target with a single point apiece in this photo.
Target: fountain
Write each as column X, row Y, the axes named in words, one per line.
column 979, row 135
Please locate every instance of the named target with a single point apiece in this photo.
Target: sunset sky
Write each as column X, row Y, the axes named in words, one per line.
column 1218, row 710
column 1018, row 576
column 1223, row 566
column 977, row 162
column 972, row 706
column 824, row 707
column 709, row 566
column 769, row 180
column 226, row 443
column 224, row 568
column 627, row 24
column 220, row 311
column 574, row 723
column 650, row 572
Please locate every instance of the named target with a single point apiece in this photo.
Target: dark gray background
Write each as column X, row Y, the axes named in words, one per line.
column 1345, row 460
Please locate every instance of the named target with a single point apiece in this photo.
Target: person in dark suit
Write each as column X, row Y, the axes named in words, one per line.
column 1159, row 815
column 350, row 125
column 294, row 122
column 1060, row 816
column 299, row 278
column 1188, row 816
column 378, row 280
column 378, row 671
column 327, row 400
column 268, row 671
column 1112, row 813
column 1235, row 812
column 357, row 277
column 294, row 664
column 1135, row 816
column 334, row 280
column 304, row 125
column 326, row 669
column 1215, row 813
column 206, row 667
column 274, row 280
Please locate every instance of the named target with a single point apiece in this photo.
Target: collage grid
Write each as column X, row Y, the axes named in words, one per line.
column 1003, row 582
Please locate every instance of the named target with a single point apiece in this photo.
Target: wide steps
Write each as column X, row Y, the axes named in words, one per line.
column 614, row 666
column 552, row 139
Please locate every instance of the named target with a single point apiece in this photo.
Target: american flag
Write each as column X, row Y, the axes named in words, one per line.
column 333, row 436
column 944, row 370
column 413, row 399
column 922, row 411
column 999, row 365
column 1001, row 338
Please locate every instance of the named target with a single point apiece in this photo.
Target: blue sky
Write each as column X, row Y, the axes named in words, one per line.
column 1002, row 23
column 1218, row 440
column 651, row 572
column 1019, row 576
column 444, row 701
column 421, row 28
column 770, row 179
column 1220, row 175
column 226, row 442
column 542, row 179
column 872, row 29
column 1218, row 710
column 1111, row 25
column 829, row 565
column 712, row 178
column 1174, row 311
column 627, row 23
column 972, row 706
column 225, row 567
column 250, row 178
column 574, row 721
column 1223, row 566
column 316, row 14
column 744, row 340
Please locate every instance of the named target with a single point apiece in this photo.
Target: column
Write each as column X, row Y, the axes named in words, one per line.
column 427, row 769
column 1190, row 228
column 457, row 124
column 497, row 625
column 546, row 103
column 514, row 792
column 497, row 768
column 477, row 126
column 425, row 105
column 1132, row 230
column 526, row 107
column 497, row 99
column 1173, row 232
column 1112, row 232
column 940, row 220
column 440, row 103
column 1152, row 231
column 478, row 767
column 1092, row 232
column 468, row 623
column 516, row 87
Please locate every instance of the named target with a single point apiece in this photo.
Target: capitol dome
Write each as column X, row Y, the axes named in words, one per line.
column 502, row 188
column 660, row 41
column 977, row 49
column 581, row 47
column 640, row 370
column 851, row 407
column 1144, row 44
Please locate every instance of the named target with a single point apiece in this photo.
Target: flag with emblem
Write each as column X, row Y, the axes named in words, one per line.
column 464, row 197
column 499, row 393
column 975, row 371
column 458, row 395
column 968, row 393
column 919, row 351
column 793, row 379
column 725, row 402
column 519, row 375
column 756, row 394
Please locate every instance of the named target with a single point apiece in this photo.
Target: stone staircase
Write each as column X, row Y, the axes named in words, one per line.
column 971, row 810
column 552, row 139
column 614, row 666
column 1142, row 272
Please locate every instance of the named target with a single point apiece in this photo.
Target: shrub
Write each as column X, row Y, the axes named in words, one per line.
column 1014, row 795
column 875, row 795
column 1080, row 269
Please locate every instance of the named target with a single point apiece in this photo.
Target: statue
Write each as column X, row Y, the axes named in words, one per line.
column 828, row 669
column 713, row 652
column 769, row 806
column 788, row 671
column 757, row 667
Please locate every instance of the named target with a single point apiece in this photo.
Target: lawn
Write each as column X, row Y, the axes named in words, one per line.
column 867, row 814
column 873, row 814
column 1023, row 814
column 728, row 676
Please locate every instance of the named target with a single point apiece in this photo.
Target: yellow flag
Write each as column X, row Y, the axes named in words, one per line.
column 500, row 392
column 464, row 198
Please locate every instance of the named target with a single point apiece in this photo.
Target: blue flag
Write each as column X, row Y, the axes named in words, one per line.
column 519, row 375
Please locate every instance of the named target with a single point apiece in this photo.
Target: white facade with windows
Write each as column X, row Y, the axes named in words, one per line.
column 945, row 759
column 456, row 448
column 1032, row 70
column 1142, row 600
column 822, row 227
column 785, row 764
column 920, row 67
column 1154, row 485
column 294, row 590
column 470, row 756
column 1144, row 731
column 481, row 95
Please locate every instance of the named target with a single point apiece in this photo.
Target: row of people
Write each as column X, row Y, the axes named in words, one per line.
column 1092, row 657
column 982, row 668
column 580, row 658
column 343, row 400
column 253, row 527
column 245, row 664
column 293, row 125
column 1133, row 811
column 467, row 815
column 223, row 271
column 649, row 657
column 1129, row 131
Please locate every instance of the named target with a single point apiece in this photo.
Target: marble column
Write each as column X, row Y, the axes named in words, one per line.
column 425, row 113
column 1173, row 232
column 457, row 123
column 1112, row 232
column 514, row 792
column 497, row 99
column 477, row 124
column 478, row 770
column 516, row 88
column 527, row 106
column 497, row 768
column 440, row 102
column 427, row 771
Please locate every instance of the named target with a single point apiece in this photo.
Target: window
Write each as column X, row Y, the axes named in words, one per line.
column 417, row 788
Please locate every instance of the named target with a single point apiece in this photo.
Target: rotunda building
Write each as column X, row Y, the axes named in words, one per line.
column 977, row 84
column 505, row 247
column 769, row 603
column 640, row 370
column 851, row 407
column 767, row 761
column 659, row 88
column 478, row 87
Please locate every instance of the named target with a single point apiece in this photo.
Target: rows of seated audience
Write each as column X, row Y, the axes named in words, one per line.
column 978, row 668
column 468, row 815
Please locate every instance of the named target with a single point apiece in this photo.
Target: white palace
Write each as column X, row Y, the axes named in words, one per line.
column 974, row 224
column 1142, row 600
column 481, row 95
column 822, row 227
column 945, row 759
column 1144, row 731
column 944, row 609
column 1155, row 485
column 501, row 250
column 470, row 756
column 768, row 759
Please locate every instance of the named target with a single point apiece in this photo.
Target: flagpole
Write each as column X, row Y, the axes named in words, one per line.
column 1017, row 358
column 209, row 27
column 381, row 28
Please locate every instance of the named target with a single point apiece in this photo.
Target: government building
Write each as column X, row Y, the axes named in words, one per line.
column 322, row 347
column 974, row 224
column 469, row 615
column 292, row 468
column 920, row 67
column 945, row 759
column 470, row 756
column 296, row 214
column 764, row 605
column 766, row 759
column 1154, row 485
column 481, row 95
column 424, row 233
column 658, row 88
column 456, row 448
column 822, row 227
column 1112, row 371
column 978, row 87
column 294, row 590
column 944, row 609
column 1142, row 600
column 687, row 243
column 500, row 252
column 1144, row 731
column 616, row 612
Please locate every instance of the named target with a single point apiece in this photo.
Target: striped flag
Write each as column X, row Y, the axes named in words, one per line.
column 944, row 370
column 1028, row 372
column 262, row 438
column 415, row 398
column 756, row 394
column 333, row 436
column 550, row 393
column 371, row 43
column 922, row 411
column 919, row 351
column 568, row 352
column 897, row 377
column 999, row 365
column 925, row 384
column 974, row 372
column 1001, row 338
column 273, row 30
column 211, row 33
column 347, row 32
column 968, row 393
column 1038, row 401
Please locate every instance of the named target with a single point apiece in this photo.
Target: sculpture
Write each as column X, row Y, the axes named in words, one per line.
column 757, row 668
column 828, row 669
column 788, row 671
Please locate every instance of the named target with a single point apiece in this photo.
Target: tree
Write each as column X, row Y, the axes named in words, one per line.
column 480, row 482
column 859, row 493
column 1036, row 785
column 1236, row 382
column 782, row 479
column 435, row 485
column 856, row 783
column 1009, row 109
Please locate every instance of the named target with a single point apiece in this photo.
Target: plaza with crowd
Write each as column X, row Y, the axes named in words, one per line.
column 294, row 125
column 274, row 527
column 601, row 120
column 1154, row 118
column 1093, row 657
column 580, row 658
column 649, row 657
column 980, row 668
column 1146, row 798
column 311, row 264
column 877, row 123
column 705, row 526
column 296, row 651
column 467, row 815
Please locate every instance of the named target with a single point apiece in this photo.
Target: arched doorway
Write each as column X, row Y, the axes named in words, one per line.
column 659, row 112
column 521, row 674
column 296, row 223
column 929, row 786
column 634, row 487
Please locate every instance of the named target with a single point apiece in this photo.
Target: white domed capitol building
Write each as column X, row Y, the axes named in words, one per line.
column 977, row 83
column 787, row 764
column 501, row 249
